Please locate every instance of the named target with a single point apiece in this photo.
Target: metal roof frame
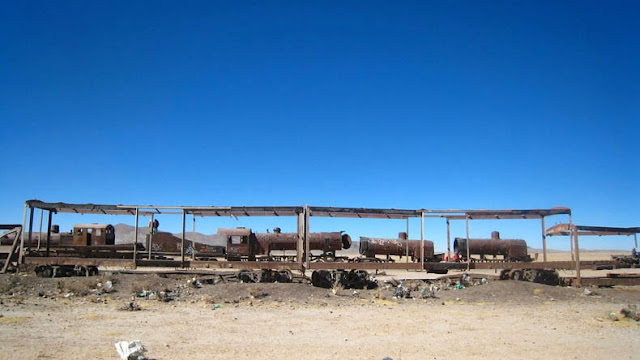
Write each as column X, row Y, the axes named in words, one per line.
column 586, row 230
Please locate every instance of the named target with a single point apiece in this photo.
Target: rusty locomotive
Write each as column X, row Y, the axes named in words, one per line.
column 242, row 243
column 370, row 247
column 499, row 249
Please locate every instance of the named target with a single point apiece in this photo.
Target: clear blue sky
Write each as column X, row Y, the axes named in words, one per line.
column 464, row 104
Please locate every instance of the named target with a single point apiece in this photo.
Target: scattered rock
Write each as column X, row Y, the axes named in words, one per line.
column 538, row 291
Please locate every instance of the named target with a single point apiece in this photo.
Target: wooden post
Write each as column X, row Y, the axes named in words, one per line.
column 193, row 242
column 300, row 246
column 150, row 236
column 24, row 220
column 448, row 240
column 544, row 241
column 571, row 239
column 49, row 232
column 306, row 236
column 421, row 241
column 184, row 217
column 407, row 242
column 40, row 230
column 135, row 241
column 577, row 249
column 468, row 243
column 30, row 228
column 635, row 240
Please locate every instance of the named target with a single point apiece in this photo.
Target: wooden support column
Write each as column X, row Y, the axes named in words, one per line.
column 571, row 239
column 24, row 220
column 184, row 219
column 150, row 236
column 49, row 232
column 40, row 230
column 193, row 242
column 635, row 241
column 448, row 240
column 577, row 249
column 544, row 241
column 300, row 245
column 30, row 228
column 407, row 242
column 307, row 252
column 421, row 241
column 135, row 242
column 468, row 243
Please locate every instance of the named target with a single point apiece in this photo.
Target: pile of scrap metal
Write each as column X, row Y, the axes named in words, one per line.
column 540, row 276
column 625, row 261
column 354, row 279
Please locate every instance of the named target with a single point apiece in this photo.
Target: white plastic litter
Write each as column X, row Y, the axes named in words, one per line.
column 133, row 350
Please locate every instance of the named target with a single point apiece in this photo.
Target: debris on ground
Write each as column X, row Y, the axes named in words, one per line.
column 629, row 313
column 133, row 350
column 131, row 306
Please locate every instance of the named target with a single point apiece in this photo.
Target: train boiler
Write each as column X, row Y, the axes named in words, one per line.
column 244, row 243
column 509, row 249
column 370, row 247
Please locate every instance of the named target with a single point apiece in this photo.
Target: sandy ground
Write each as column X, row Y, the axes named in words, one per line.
column 502, row 319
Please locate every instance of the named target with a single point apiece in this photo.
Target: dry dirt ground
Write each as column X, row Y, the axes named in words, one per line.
column 40, row 319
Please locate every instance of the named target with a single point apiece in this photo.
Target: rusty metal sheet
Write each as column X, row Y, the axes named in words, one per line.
column 586, row 230
column 262, row 265
column 371, row 213
column 78, row 261
column 540, row 265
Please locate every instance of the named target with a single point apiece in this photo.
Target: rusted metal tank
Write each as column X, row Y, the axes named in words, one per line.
column 325, row 241
column 370, row 247
column 510, row 249
column 248, row 243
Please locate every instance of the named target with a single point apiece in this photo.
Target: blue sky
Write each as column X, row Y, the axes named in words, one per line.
column 367, row 104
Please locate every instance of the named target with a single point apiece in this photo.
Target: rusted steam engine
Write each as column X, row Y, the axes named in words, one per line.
column 508, row 249
column 370, row 247
column 245, row 244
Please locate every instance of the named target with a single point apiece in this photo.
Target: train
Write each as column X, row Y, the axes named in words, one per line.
column 500, row 249
column 242, row 243
column 370, row 247
column 98, row 240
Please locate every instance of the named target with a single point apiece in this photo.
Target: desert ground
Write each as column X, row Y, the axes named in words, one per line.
column 177, row 318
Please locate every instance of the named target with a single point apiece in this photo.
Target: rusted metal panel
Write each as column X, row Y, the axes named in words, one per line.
column 262, row 265
column 362, row 212
column 77, row 261
column 584, row 230
column 569, row 265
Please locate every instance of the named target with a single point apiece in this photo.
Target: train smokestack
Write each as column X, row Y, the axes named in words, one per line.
column 495, row 235
column 402, row 235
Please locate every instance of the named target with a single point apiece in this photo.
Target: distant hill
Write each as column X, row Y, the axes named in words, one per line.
column 125, row 234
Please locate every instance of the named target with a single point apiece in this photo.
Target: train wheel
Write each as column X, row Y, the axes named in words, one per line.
column 284, row 276
column 517, row 275
column 93, row 271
